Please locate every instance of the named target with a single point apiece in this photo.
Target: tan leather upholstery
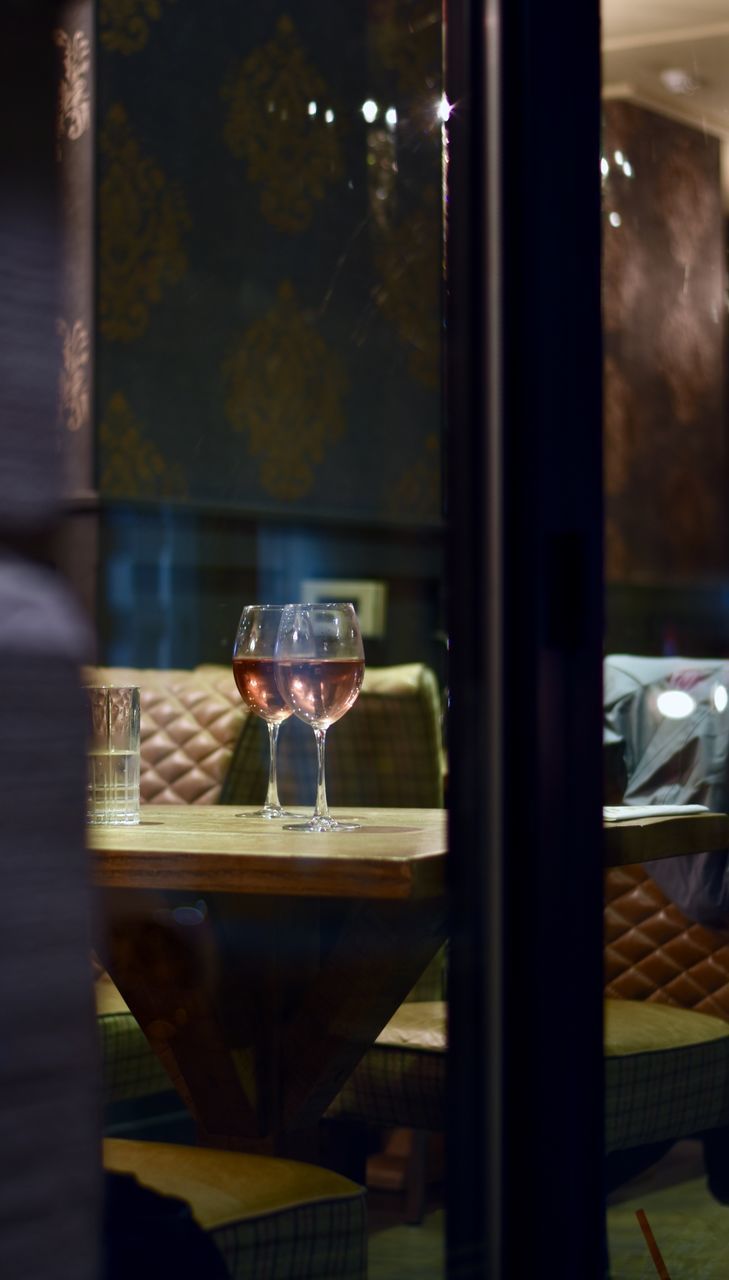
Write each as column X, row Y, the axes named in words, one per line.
column 190, row 724
column 652, row 952
column 266, row 1216
column 224, row 1186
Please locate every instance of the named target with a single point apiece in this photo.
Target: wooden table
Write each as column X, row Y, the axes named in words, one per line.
column 260, row 963
column 648, row 839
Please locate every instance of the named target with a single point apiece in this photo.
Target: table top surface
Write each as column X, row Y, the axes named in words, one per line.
column 396, row 853
column 650, row 839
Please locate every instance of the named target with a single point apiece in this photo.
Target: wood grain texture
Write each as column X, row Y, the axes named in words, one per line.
column 648, row 839
column 261, row 964
column 396, row 854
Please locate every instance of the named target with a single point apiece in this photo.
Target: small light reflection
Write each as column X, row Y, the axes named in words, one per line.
column 312, row 108
column 619, row 158
column 391, row 117
column 329, row 116
column 369, row 110
column 604, row 167
column 675, row 704
column 721, row 697
column 444, row 109
column 614, row 219
column 628, row 169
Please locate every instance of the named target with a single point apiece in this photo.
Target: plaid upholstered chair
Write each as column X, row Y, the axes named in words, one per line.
column 266, row 1216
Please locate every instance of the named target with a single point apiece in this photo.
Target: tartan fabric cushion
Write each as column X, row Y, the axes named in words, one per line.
column 268, row 1217
column 386, row 751
column 401, row 1079
column 321, row 1241
column 130, row 1068
column 666, row 1073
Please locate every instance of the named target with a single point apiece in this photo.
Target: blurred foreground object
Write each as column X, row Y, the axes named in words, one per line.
column 50, row 1180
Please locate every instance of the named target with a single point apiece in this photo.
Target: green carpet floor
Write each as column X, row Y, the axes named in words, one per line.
column 401, row 1252
column 690, row 1227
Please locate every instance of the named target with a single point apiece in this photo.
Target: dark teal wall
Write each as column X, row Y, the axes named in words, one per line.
column 268, row 281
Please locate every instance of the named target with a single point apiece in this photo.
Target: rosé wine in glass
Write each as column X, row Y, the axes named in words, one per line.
column 319, row 671
column 321, row 692
column 254, row 670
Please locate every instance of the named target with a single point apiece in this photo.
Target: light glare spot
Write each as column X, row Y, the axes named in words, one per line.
column 619, row 158
column 312, row 108
column 675, row 704
column 329, row 116
column 369, row 110
column 721, row 697
column 604, row 167
column 444, row 109
column 615, row 220
column 628, row 169
column 391, row 117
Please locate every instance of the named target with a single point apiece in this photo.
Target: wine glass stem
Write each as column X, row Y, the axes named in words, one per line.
column 272, row 800
column 322, row 808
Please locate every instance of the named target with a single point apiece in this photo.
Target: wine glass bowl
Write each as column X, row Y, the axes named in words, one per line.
column 254, row 664
column 319, row 671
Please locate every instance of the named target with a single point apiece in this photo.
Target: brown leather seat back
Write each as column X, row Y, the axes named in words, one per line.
column 190, row 723
column 652, row 952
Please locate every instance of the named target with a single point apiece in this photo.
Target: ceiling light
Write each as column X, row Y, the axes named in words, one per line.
column 677, row 80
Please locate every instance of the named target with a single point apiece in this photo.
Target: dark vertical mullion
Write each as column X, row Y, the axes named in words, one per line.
column 552, row 637
column 525, row 567
column 473, row 1217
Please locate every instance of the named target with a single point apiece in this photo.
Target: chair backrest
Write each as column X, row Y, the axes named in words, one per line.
column 670, row 761
column 190, row 723
column 653, row 951
column 387, row 750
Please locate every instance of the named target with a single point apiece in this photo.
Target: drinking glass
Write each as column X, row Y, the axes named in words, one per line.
column 319, row 671
column 253, row 668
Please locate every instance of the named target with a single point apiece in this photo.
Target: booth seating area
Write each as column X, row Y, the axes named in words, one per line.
column 667, row 979
column 200, row 745
column 667, row 970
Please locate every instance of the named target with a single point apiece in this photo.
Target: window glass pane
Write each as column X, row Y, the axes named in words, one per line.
column 268, row 396
column 665, row 125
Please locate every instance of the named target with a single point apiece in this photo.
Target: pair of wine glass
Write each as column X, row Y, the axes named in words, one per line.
column 305, row 660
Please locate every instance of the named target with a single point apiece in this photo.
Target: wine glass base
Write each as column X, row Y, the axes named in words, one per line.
column 270, row 813
column 317, row 825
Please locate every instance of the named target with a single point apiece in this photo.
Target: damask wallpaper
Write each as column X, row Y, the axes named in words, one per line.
column 664, row 315
column 269, row 255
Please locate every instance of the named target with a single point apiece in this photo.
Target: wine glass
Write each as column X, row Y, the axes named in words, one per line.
column 319, row 670
column 253, row 669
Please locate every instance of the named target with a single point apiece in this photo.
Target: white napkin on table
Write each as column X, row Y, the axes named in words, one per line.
column 624, row 812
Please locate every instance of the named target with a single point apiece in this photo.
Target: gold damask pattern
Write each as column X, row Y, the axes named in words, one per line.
column 124, row 24
column 74, row 381
column 131, row 466
column 408, row 260
column 417, row 492
column 143, row 218
column 407, row 37
column 285, row 392
column 290, row 152
column 74, row 102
